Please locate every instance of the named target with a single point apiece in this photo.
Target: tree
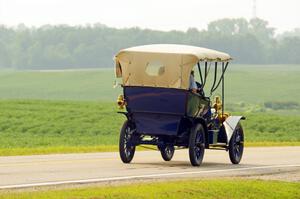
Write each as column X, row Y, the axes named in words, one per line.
column 63, row 46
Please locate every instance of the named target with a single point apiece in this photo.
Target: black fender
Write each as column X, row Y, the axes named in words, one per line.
column 128, row 116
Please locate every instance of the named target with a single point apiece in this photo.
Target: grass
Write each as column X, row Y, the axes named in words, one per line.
column 206, row 189
column 271, row 144
column 35, row 123
column 258, row 83
column 43, row 127
column 244, row 83
column 58, row 85
column 273, row 128
column 45, row 112
column 107, row 148
column 57, row 150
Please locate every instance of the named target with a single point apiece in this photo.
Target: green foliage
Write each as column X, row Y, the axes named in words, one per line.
column 271, row 127
column 282, row 105
column 206, row 189
column 52, row 47
column 32, row 123
column 35, row 123
column 287, row 50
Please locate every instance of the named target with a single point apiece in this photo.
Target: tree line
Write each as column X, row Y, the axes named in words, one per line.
column 62, row 46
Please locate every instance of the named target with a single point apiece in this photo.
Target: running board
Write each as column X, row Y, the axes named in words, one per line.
column 219, row 146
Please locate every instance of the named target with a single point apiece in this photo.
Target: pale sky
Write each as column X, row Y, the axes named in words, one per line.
column 153, row 14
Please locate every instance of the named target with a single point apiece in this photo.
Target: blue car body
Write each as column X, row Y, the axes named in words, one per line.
column 164, row 111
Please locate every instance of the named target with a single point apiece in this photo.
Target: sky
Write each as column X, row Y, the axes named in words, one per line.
column 154, row 14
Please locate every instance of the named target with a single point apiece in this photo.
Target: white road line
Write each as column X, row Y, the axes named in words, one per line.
column 139, row 177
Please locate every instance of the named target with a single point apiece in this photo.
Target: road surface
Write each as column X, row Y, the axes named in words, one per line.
column 70, row 169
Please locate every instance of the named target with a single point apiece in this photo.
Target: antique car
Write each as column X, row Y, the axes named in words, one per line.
column 163, row 110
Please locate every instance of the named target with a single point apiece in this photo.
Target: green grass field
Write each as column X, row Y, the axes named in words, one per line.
column 88, row 85
column 38, row 126
column 206, row 189
column 36, row 123
column 74, row 111
column 244, row 83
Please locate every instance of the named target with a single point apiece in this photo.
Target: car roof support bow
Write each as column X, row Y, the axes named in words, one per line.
column 200, row 73
column 224, row 67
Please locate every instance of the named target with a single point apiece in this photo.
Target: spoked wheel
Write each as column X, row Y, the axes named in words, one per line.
column 126, row 150
column 197, row 145
column 167, row 152
column 236, row 145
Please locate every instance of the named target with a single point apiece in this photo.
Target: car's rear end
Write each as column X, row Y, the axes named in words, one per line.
column 156, row 111
column 160, row 109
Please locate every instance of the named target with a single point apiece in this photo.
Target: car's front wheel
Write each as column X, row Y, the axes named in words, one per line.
column 236, row 145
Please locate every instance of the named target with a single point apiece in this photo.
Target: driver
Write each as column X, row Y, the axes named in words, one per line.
column 193, row 86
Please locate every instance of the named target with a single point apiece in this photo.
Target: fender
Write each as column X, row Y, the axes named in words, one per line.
column 230, row 124
column 128, row 116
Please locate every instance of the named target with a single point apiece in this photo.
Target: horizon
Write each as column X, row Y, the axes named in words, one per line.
column 22, row 25
column 133, row 13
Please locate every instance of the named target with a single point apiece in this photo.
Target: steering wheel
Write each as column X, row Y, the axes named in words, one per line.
column 199, row 90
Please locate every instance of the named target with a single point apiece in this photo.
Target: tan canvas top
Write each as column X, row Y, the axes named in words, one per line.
column 162, row 65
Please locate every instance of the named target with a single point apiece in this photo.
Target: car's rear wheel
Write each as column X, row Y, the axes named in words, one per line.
column 197, row 145
column 167, row 152
column 126, row 149
column 236, row 145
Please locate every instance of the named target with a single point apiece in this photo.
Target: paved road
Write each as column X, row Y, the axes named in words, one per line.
column 46, row 170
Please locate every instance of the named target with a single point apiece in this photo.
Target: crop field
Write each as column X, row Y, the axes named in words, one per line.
column 74, row 111
column 36, row 124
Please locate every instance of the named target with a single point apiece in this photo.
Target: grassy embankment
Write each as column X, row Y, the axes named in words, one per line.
column 61, row 123
column 217, row 188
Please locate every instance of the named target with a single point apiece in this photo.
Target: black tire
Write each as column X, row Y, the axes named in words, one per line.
column 236, row 145
column 126, row 152
column 197, row 145
column 167, row 152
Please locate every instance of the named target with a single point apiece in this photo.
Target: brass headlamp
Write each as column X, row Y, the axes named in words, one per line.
column 121, row 102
